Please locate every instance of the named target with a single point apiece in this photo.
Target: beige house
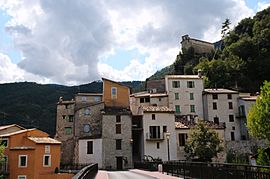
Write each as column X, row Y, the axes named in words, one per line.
column 185, row 94
column 159, row 132
column 221, row 107
column 183, row 130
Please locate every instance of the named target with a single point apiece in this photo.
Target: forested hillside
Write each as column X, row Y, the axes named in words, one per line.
column 242, row 60
column 34, row 105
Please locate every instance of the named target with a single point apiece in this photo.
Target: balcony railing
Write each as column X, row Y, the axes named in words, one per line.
column 154, row 137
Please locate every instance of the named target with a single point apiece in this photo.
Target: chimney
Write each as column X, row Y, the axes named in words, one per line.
column 200, row 73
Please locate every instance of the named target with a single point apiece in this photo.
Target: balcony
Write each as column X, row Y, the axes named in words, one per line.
column 154, row 137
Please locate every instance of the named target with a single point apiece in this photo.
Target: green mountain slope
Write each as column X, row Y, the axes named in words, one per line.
column 34, row 105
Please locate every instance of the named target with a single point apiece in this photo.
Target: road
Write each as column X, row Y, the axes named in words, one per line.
column 127, row 175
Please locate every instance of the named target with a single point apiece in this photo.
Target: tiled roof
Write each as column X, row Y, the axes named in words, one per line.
column 156, row 109
column 146, row 93
column 22, row 148
column 183, row 76
column 187, row 124
column 16, row 132
column 89, row 94
column 44, row 140
column 66, row 102
column 250, row 98
column 8, row 126
column 219, row 91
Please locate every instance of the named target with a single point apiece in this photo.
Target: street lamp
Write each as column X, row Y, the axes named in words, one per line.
column 168, row 144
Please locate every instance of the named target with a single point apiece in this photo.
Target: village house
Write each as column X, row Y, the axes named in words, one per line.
column 96, row 128
column 185, row 94
column 221, row 106
column 30, row 153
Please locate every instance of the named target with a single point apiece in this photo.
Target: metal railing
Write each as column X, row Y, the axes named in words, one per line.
column 215, row 170
column 88, row 172
column 150, row 166
column 158, row 136
column 72, row 168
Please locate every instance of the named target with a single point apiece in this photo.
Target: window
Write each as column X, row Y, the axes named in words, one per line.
column 176, row 84
column 118, row 118
column 232, row 136
column 164, row 128
column 97, row 98
column 118, row 128
column 154, row 132
column 214, row 106
column 87, row 111
column 191, row 96
column 70, row 118
column 63, row 117
column 141, row 100
column 21, row 176
column 192, row 108
column 5, row 164
column 215, row 96
column 4, row 142
column 177, row 109
column 242, row 111
column 68, row 130
column 118, row 144
column 84, row 98
column 182, row 139
column 159, row 99
column 46, row 160
column 86, row 128
column 114, row 92
column 216, row 120
column 229, row 96
column 89, row 147
column 22, row 161
column 233, row 128
column 231, row 118
column 230, row 105
column 158, row 145
column 47, row 149
column 176, row 96
column 190, row 84
column 147, row 99
column 153, row 117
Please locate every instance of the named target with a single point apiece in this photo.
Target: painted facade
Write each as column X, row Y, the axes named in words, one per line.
column 185, row 94
column 158, row 122
column 31, row 153
column 221, row 106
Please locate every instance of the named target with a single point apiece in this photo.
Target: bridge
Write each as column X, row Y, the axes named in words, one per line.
column 132, row 174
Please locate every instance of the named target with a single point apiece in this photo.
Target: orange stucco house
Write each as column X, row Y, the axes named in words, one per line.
column 30, row 153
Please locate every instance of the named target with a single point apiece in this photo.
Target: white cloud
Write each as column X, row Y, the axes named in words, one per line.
column 64, row 41
column 10, row 72
column 262, row 5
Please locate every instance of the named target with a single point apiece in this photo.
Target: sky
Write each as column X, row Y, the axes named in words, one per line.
column 75, row 42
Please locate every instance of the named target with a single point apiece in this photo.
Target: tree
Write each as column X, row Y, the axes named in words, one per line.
column 225, row 28
column 259, row 115
column 203, row 143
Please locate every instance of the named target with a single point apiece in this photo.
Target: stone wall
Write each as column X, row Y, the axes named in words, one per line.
column 109, row 137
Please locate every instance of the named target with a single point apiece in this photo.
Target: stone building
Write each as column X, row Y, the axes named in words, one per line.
column 182, row 128
column 116, row 126
column 91, row 124
column 221, row 106
column 199, row 46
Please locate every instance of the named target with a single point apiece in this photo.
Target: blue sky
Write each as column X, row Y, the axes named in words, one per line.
column 6, row 43
column 120, row 40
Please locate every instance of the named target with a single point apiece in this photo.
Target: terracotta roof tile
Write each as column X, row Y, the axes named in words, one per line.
column 156, row 109
column 44, row 140
column 181, row 123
